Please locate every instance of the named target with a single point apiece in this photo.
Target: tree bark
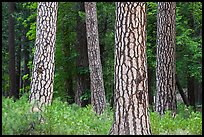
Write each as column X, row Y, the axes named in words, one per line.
column 11, row 44
column 82, row 77
column 165, row 69
column 98, row 99
column 131, row 115
column 43, row 63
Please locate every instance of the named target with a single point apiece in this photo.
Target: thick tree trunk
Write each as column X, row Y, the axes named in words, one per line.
column 11, row 44
column 165, row 70
column 130, row 78
column 180, row 89
column 43, row 63
column 98, row 99
column 82, row 78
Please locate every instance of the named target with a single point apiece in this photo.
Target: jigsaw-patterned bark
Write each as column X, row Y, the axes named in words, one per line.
column 43, row 63
column 98, row 99
column 165, row 69
column 131, row 88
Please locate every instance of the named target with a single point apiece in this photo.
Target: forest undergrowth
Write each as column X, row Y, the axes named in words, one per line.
column 63, row 119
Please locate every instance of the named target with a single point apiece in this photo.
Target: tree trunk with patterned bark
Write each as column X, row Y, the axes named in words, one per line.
column 130, row 77
column 98, row 99
column 43, row 63
column 165, row 69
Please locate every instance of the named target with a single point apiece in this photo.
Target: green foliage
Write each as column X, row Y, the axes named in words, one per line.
column 59, row 118
column 82, row 15
column 30, row 21
column 31, row 34
column 65, row 55
column 188, row 40
column 106, row 23
column 86, row 95
column 151, row 33
column 25, row 77
column 63, row 119
column 185, row 122
column 16, row 116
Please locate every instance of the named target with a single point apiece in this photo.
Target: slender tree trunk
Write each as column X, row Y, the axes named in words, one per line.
column 130, row 78
column 190, row 90
column 180, row 89
column 11, row 43
column 150, row 91
column 82, row 78
column 165, row 70
column 43, row 63
column 98, row 99
column 26, row 52
column 199, row 93
column 18, row 68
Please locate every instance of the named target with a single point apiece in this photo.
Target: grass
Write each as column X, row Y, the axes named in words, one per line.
column 63, row 119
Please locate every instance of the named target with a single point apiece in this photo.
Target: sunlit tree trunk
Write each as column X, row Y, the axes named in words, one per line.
column 130, row 75
column 98, row 99
column 165, row 69
column 43, row 63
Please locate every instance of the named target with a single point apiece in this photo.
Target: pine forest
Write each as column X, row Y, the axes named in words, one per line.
column 101, row 68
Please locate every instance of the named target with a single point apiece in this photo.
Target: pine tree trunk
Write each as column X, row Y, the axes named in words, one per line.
column 180, row 89
column 150, row 81
column 26, row 70
column 18, row 68
column 98, row 99
column 165, row 69
column 11, row 44
column 130, row 78
column 82, row 78
column 190, row 90
column 43, row 63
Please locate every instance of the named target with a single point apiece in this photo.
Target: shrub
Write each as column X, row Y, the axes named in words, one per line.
column 63, row 119
column 16, row 116
column 59, row 118
column 185, row 122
